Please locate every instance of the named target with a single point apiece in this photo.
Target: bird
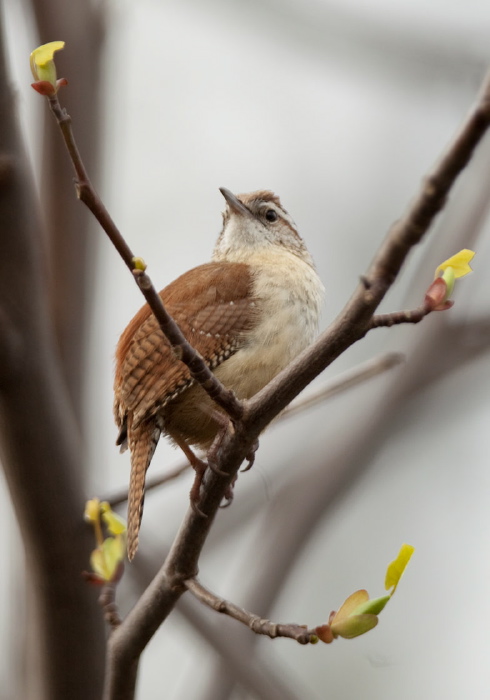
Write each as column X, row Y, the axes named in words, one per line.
column 249, row 312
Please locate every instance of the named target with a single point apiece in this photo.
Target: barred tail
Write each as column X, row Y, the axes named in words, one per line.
column 142, row 443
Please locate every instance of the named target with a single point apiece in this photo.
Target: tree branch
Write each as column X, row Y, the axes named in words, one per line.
column 263, row 679
column 129, row 640
column 183, row 349
column 107, row 601
column 254, row 622
column 353, row 321
column 395, row 318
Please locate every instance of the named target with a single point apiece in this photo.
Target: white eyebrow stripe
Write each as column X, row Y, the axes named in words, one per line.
column 283, row 214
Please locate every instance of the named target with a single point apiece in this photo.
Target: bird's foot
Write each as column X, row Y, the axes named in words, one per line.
column 214, row 449
column 229, row 494
column 250, row 457
column 199, row 467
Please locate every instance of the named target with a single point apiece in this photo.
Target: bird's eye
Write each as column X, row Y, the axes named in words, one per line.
column 271, row 215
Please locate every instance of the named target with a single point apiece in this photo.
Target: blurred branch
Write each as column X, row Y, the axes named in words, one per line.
column 263, row 678
column 107, row 601
column 452, row 345
column 40, row 442
column 121, row 496
column 347, row 380
column 70, row 235
column 291, row 517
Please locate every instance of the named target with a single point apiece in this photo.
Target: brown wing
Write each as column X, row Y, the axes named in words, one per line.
column 213, row 306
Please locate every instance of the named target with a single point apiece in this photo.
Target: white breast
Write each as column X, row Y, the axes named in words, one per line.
column 289, row 296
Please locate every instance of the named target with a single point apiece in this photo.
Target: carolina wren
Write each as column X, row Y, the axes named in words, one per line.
column 249, row 312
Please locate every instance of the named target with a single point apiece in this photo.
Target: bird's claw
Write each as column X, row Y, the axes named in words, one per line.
column 251, row 456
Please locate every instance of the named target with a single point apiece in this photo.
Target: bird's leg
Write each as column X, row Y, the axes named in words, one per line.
column 212, row 455
column 223, row 422
column 199, row 467
column 250, row 457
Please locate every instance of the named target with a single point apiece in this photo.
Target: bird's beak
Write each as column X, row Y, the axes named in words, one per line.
column 234, row 203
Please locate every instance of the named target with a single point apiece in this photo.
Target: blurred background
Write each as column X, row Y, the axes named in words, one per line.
column 340, row 108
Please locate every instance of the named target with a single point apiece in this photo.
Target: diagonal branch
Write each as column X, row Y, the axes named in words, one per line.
column 184, row 350
column 353, row 321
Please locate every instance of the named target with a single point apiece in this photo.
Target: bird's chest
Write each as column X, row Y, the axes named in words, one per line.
column 288, row 302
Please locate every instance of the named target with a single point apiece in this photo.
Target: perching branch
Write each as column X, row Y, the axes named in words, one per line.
column 265, row 627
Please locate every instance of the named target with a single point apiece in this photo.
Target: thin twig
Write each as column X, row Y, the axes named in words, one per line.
column 299, row 633
column 184, row 350
column 397, row 317
column 265, row 680
column 107, row 601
